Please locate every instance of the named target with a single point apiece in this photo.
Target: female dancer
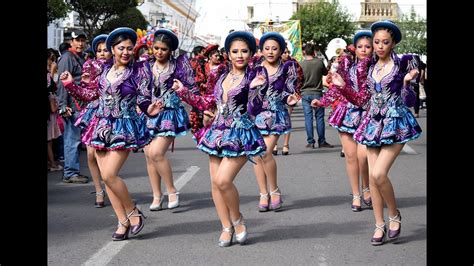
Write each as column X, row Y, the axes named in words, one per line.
column 389, row 123
column 232, row 138
column 346, row 117
column 172, row 121
column 121, row 85
column 274, row 119
column 87, row 119
column 286, row 139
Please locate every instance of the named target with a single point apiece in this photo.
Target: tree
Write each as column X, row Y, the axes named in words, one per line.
column 94, row 13
column 56, row 9
column 413, row 29
column 321, row 22
column 131, row 18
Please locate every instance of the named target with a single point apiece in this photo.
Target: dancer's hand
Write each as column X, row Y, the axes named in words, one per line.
column 86, row 77
column 315, row 103
column 208, row 117
column 177, row 85
column 155, row 108
column 338, row 80
column 411, row 75
column 65, row 77
column 259, row 80
column 292, row 100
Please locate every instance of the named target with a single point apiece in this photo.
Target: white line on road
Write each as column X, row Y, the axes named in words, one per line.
column 105, row 254
column 184, row 178
column 408, row 149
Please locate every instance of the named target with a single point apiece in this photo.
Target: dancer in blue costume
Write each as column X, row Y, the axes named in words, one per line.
column 389, row 123
column 119, row 128
column 172, row 121
column 232, row 138
column 274, row 120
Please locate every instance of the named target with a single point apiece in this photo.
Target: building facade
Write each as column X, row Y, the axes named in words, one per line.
column 178, row 15
column 375, row 10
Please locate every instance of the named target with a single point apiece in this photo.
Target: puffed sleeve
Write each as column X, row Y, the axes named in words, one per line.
column 143, row 79
column 408, row 63
column 290, row 68
column 256, row 95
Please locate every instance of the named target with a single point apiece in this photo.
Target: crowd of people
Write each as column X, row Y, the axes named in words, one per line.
column 130, row 96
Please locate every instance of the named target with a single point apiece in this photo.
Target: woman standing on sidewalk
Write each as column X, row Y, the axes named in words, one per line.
column 232, row 138
column 87, row 119
column 274, row 119
column 121, row 85
column 346, row 117
column 389, row 123
column 173, row 121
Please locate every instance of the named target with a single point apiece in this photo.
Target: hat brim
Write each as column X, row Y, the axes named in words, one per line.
column 397, row 34
column 98, row 39
column 273, row 35
column 361, row 34
column 241, row 34
column 210, row 48
column 173, row 37
column 117, row 32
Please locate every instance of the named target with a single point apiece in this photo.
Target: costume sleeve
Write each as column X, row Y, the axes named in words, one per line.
column 143, row 78
column 201, row 102
column 185, row 73
column 330, row 96
column 408, row 94
column 291, row 79
column 256, row 95
column 87, row 91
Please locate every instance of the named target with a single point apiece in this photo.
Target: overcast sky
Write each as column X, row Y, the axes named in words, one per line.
column 217, row 16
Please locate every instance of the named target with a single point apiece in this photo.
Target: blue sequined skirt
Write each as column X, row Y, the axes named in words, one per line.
column 379, row 130
column 232, row 137
column 169, row 122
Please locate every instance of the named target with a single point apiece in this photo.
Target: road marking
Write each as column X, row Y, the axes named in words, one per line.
column 106, row 254
column 408, row 149
column 184, row 178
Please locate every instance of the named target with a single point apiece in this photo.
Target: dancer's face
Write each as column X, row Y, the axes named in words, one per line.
column 271, row 51
column 363, row 48
column 123, row 52
column 161, row 51
column 239, row 54
column 102, row 52
column 383, row 43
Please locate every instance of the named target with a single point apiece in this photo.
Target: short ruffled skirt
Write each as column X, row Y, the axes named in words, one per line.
column 232, row 137
column 111, row 133
column 87, row 121
column 346, row 118
column 273, row 122
column 379, row 130
column 169, row 122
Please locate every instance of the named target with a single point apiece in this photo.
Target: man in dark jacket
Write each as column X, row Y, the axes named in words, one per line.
column 69, row 108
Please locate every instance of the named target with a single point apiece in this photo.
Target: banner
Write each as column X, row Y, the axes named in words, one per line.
column 290, row 30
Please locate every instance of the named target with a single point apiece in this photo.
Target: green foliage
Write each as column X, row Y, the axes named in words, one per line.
column 413, row 29
column 131, row 18
column 56, row 9
column 94, row 13
column 321, row 22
